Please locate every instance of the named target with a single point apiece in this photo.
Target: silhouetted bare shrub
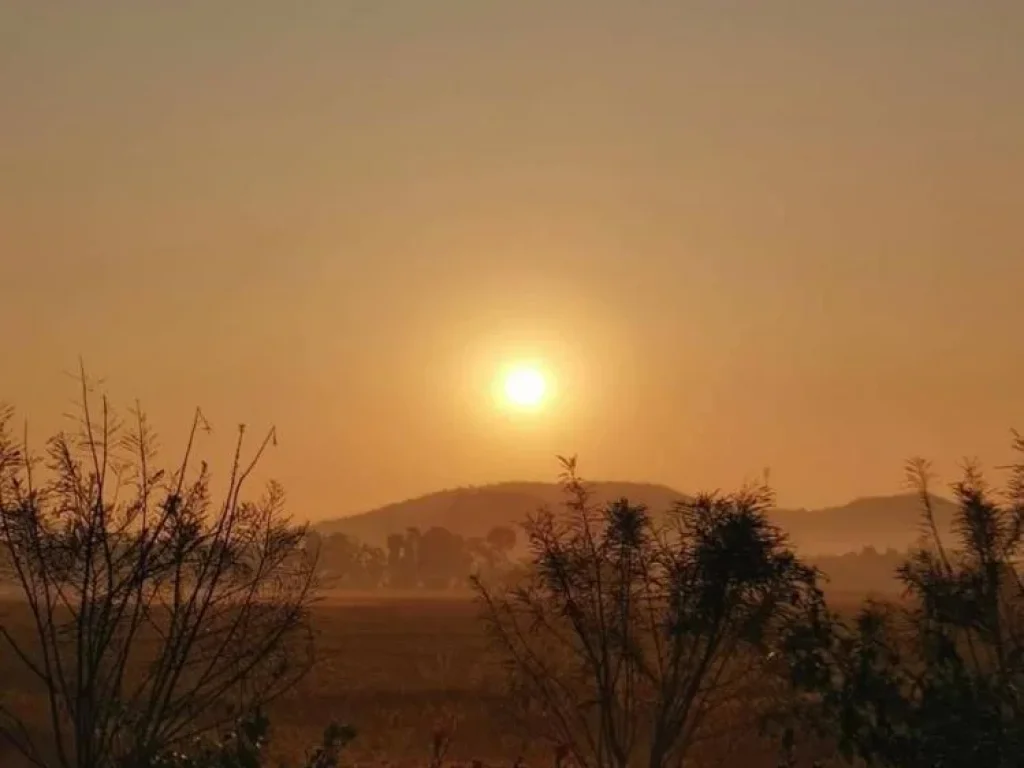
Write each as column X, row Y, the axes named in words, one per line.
column 157, row 613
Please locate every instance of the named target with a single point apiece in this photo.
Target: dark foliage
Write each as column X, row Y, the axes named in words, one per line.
column 936, row 679
column 631, row 642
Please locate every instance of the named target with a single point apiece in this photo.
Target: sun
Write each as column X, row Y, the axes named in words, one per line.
column 525, row 387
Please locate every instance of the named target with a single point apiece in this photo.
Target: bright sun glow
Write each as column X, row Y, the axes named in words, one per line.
column 525, row 387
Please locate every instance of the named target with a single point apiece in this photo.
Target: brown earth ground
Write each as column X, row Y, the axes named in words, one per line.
column 395, row 668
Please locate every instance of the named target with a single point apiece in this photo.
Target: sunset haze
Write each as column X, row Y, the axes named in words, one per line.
column 735, row 235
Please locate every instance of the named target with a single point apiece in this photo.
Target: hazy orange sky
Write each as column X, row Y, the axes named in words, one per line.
column 739, row 233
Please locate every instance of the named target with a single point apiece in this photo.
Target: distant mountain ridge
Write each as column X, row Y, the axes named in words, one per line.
column 871, row 521
column 475, row 510
column 878, row 521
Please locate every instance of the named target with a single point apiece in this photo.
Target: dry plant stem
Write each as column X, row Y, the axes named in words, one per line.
column 151, row 606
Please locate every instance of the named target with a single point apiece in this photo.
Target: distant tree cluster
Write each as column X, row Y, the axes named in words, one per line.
column 866, row 571
column 436, row 559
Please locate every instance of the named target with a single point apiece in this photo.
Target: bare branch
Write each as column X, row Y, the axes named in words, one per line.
column 151, row 606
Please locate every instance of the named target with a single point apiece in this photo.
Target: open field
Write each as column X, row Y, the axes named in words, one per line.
column 395, row 668
column 392, row 667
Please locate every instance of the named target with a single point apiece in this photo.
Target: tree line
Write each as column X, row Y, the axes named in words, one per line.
column 440, row 559
column 436, row 559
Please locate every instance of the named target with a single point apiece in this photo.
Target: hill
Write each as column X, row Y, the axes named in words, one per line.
column 475, row 510
column 881, row 521
column 875, row 521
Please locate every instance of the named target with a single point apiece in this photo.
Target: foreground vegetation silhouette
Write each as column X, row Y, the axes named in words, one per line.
column 936, row 679
column 162, row 624
column 157, row 614
column 632, row 642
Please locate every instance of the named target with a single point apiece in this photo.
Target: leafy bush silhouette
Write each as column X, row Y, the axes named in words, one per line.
column 157, row 614
column 938, row 679
column 629, row 641
column 244, row 746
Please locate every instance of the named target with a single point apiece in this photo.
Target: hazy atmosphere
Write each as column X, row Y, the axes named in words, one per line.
column 535, row 384
column 729, row 235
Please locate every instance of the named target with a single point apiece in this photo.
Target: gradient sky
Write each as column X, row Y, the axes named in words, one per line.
column 742, row 234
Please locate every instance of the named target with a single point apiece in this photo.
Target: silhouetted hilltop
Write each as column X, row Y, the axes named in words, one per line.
column 475, row 510
column 873, row 521
column 880, row 521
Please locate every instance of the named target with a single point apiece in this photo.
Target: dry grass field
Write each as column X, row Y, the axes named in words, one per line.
column 397, row 669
